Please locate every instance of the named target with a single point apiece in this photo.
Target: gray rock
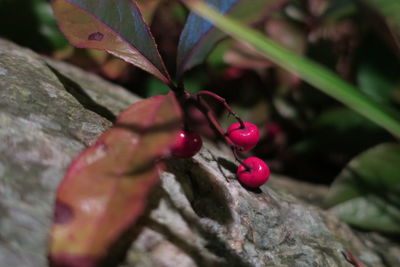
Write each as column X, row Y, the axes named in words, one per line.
column 46, row 119
column 200, row 216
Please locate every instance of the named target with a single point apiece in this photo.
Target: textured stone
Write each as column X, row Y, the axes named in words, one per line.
column 42, row 127
column 213, row 220
column 200, row 216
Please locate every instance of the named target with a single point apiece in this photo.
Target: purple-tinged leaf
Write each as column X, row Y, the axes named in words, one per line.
column 105, row 189
column 114, row 26
column 199, row 36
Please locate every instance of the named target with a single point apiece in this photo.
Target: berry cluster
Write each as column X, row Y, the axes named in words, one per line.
column 241, row 136
column 252, row 172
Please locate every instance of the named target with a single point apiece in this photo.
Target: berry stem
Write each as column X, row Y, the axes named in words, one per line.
column 206, row 110
column 234, row 151
column 183, row 96
column 186, row 98
column 223, row 101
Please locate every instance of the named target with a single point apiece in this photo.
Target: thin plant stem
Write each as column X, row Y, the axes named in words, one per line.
column 234, row 151
column 226, row 105
column 206, row 110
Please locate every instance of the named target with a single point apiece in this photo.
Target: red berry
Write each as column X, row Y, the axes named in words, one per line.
column 186, row 145
column 246, row 137
column 256, row 176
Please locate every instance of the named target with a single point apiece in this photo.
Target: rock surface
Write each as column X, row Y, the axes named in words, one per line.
column 200, row 216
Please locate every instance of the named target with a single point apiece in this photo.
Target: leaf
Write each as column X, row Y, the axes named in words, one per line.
column 155, row 87
column 36, row 26
column 367, row 192
column 339, row 9
column 47, row 24
column 114, row 26
column 311, row 72
column 373, row 82
column 148, row 8
column 199, row 36
column 388, row 8
column 105, row 189
column 369, row 213
column 378, row 72
column 340, row 131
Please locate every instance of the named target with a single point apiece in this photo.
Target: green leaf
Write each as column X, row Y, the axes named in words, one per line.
column 155, row 87
column 106, row 187
column 114, row 26
column 373, row 82
column 378, row 73
column 48, row 26
column 370, row 213
column 339, row 9
column 340, row 131
column 367, row 192
column 199, row 36
column 388, row 8
column 313, row 73
column 36, row 27
column 390, row 11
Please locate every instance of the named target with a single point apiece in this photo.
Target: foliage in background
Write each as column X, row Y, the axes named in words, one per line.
column 199, row 36
column 307, row 135
column 313, row 73
column 366, row 194
column 30, row 23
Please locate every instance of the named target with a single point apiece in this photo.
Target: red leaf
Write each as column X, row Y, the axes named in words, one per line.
column 114, row 26
column 105, row 188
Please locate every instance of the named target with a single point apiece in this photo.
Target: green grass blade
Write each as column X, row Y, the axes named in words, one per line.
column 311, row 72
